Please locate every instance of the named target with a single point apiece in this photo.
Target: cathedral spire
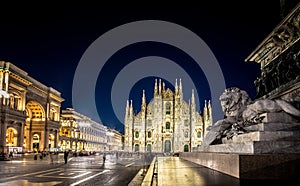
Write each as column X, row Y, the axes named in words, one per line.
column 193, row 104
column 209, row 111
column 193, row 97
column 144, row 99
column 205, row 111
column 180, row 88
column 131, row 109
column 176, row 87
column 159, row 87
column 127, row 110
column 155, row 88
column 127, row 107
column 143, row 107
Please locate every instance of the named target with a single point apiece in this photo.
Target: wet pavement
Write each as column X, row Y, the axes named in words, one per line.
column 86, row 170
column 176, row 171
column 172, row 171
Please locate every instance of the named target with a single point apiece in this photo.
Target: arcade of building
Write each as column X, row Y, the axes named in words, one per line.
column 32, row 119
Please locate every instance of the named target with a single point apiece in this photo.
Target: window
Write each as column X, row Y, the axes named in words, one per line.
column 149, row 147
column 149, row 134
column 186, row 148
column 186, row 134
column 168, row 108
column 186, row 122
column 136, row 148
column 198, row 134
column 168, row 125
column 136, row 134
column 149, row 122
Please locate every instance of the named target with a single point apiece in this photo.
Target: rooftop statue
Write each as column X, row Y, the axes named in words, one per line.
column 240, row 111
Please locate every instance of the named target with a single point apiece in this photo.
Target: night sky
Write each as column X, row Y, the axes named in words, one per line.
column 48, row 45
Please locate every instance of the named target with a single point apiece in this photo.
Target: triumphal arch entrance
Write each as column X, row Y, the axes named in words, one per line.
column 29, row 112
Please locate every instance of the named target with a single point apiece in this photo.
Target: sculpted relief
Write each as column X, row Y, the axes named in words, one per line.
column 240, row 111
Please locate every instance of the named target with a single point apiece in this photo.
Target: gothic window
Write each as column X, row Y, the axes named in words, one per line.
column 136, row 134
column 186, row 148
column 149, row 147
column 168, row 125
column 198, row 134
column 149, row 122
column 168, row 108
column 186, row 122
column 136, row 148
column 149, row 134
column 186, row 134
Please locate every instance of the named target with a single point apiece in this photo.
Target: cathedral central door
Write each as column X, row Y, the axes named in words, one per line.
column 167, row 146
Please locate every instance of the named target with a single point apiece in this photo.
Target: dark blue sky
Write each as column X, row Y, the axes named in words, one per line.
column 48, row 44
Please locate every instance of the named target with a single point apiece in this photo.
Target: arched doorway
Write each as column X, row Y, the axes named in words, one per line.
column 34, row 134
column 148, row 147
column 36, row 142
column 186, row 148
column 167, row 146
column 136, row 148
column 11, row 137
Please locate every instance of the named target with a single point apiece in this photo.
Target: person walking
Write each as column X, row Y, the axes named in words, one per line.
column 66, row 156
column 51, row 158
column 104, row 158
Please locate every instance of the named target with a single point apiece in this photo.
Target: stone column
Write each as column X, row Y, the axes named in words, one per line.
column 42, row 141
column 56, row 139
column 3, row 128
column 46, row 140
column 21, row 135
column 30, row 147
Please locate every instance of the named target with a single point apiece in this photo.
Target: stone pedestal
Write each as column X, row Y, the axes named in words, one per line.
column 269, row 150
column 249, row 166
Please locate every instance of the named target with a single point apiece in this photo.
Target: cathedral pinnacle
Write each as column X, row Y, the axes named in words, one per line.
column 144, row 98
column 155, row 88
column 176, row 87
column 159, row 87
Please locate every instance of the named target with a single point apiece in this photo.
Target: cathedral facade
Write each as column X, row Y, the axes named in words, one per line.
column 168, row 124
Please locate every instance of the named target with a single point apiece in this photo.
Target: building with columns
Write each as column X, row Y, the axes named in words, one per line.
column 167, row 124
column 29, row 112
column 115, row 141
column 79, row 132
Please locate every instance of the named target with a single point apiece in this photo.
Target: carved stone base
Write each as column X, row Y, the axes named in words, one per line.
column 278, row 117
column 255, row 166
column 256, row 147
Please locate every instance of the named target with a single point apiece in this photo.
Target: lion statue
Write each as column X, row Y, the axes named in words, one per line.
column 241, row 111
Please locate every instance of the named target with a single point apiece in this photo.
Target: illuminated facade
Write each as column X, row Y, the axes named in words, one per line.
column 114, row 140
column 30, row 112
column 167, row 124
column 79, row 132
